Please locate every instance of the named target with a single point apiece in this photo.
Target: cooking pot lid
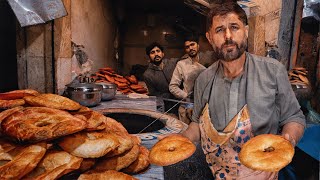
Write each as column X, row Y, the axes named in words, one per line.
column 84, row 87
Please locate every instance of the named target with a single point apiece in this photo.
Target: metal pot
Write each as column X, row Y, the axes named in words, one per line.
column 87, row 94
column 108, row 91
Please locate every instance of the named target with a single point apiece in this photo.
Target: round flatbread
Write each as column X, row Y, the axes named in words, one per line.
column 52, row 101
column 18, row 94
column 105, row 175
column 35, row 124
column 267, row 152
column 170, row 150
column 118, row 162
column 89, row 144
column 140, row 164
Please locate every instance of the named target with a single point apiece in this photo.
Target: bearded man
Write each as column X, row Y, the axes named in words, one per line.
column 236, row 81
column 158, row 74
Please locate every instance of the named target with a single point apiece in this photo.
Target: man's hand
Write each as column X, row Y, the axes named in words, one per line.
column 192, row 133
column 292, row 141
column 293, row 132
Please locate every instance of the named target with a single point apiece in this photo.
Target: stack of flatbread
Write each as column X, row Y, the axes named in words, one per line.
column 125, row 84
column 298, row 76
column 47, row 136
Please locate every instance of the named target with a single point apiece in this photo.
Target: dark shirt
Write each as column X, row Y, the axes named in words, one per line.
column 264, row 86
column 158, row 80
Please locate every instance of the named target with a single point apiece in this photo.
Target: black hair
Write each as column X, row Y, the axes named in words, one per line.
column 225, row 8
column 191, row 37
column 151, row 46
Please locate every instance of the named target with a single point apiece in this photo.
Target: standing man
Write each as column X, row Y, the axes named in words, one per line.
column 237, row 79
column 184, row 75
column 159, row 72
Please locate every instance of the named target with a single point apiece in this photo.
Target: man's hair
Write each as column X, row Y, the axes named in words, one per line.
column 221, row 9
column 191, row 37
column 153, row 45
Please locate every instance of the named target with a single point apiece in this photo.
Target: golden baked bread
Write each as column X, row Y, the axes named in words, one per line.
column 109, row 78
column 53, row 165
column 121, row 85
column 140, row 164
column 18, row 94
column 121, row 80
column 8, row 112
column 109, row 69
column 87, row 163
column 132, row 79
column 113, row 125
column 11, row 103
column 24, row 162
column 89, row 144
column 95, row 120
column 266, row 152
column 136, row 86
column 118, row 162
column 105, row 175
column 52, row 101
column 136, row 139
column 5, row 148
column 171, row 149
column 125, row 143
column 35, row 124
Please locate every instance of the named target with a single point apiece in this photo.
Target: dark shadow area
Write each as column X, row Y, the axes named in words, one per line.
column 8, row 54
column 134, row 123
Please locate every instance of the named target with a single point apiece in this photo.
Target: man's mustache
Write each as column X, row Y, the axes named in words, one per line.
column 229, row 42
column 157, row 57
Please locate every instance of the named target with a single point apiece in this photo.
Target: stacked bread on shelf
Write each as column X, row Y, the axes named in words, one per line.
column 47, row 136
column 298, row 76
column 125, row 84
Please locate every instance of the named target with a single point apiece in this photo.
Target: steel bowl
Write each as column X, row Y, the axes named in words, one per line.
column 87, row 94
column 108, row 90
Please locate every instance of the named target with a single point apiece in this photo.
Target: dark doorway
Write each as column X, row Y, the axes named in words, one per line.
column 8, row 53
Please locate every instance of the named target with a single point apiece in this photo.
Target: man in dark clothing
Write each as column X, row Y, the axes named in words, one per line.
column 159, row 72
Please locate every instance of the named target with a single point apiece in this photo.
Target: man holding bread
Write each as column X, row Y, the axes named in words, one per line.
column 239, row 97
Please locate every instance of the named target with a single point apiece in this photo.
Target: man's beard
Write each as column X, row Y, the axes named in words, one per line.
column 157, row 62
column 193, row 53
column 230, row 55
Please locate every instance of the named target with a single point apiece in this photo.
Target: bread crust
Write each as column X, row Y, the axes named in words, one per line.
column 52, row 101
column 54, row 165
column 33, row 124
column 105, row 175
column 266, row 152
column 18, row 94
column 24, row 162
column 140, row 164
column 89, row 144
column 120, row 161
column 11, row 103
column 170, row 150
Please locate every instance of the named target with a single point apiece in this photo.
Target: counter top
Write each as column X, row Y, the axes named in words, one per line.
column 123, row 101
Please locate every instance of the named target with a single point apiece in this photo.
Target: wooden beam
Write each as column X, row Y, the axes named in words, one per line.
column 286, row 30
column 256, row 39
column 62, row 49
column 296, row 34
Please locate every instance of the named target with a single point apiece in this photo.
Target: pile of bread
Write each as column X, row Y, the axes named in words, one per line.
column 125, row 84
column 47, row 136
column 298, row 76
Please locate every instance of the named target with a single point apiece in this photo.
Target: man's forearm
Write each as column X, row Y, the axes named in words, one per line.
column 192, row 132
column 293, row 132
